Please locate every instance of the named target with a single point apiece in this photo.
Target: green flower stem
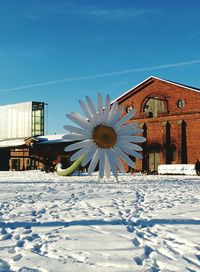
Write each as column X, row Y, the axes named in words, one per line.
column 68, row 171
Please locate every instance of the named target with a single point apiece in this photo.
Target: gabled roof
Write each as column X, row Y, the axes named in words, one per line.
column 183, row 85
column 46, row 139
column 12, row 143
column 52, row 139
column 157, row 78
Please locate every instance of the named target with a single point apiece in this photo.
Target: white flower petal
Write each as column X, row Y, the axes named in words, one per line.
column 77, row 130
column 85, row 110
column 89, row 155
column 118, row 161
column 138, row 130
column 123, row 143
column 112, row 112
column 93, row 110
column 107, row 166
column 129, row 131
column 138, row 139
column 79, row 153
column 93, row 162
column 74, row 137
column 130, row 151
column 131, row 138
column 134, row 153
column 107, row 109
column 124, row 119
column 76, row 118
column 91, row 105
column 78, row 145
column 117, row 116
column 100, row 107
column 124, row 157
column 112, row 162
column 127, row 127
column 101, row 163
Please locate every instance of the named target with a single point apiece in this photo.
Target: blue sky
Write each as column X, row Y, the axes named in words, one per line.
column 60, row 51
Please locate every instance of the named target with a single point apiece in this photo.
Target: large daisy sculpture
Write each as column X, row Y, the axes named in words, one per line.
column 104, row 137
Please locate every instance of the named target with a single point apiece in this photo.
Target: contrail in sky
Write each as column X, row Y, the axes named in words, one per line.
column 164, row 66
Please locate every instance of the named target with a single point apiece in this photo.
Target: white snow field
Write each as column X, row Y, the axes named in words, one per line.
column 80, row 224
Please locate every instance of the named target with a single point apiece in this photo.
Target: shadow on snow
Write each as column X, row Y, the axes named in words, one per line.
column 142, row 223
column 18, row 224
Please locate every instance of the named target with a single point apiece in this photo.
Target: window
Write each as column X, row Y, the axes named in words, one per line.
column 129, row 108
column 154, row 106
column 37, row 119
column 181, row 103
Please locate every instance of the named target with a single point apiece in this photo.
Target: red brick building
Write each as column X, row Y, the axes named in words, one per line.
column 169, row 113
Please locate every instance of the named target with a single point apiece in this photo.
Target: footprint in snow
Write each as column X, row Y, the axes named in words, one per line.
column 140, row 259
column 6, row 237
column 17, row 257
column 4, row 266
column 16, row 237
column 36, row 249
column 136, row 242
column 27, row 231
column 3, row 231
column 20, row 243
column 32, row 237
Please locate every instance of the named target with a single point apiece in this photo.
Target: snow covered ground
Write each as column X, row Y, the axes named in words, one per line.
column 79, row 224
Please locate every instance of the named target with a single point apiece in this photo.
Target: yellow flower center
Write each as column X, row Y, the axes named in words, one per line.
column 104, row 136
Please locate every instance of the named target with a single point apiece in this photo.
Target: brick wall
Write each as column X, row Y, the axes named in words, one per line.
column 183, row 123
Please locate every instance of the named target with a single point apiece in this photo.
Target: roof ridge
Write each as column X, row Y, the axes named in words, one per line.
column 161, row 79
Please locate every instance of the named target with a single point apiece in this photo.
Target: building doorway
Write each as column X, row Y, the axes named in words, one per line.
column 4, row 159
column 15, row 164
column 154, row 160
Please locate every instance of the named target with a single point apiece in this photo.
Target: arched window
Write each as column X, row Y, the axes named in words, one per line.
column 154, row 105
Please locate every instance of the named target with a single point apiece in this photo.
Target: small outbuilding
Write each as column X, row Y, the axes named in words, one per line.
column 39, row 152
